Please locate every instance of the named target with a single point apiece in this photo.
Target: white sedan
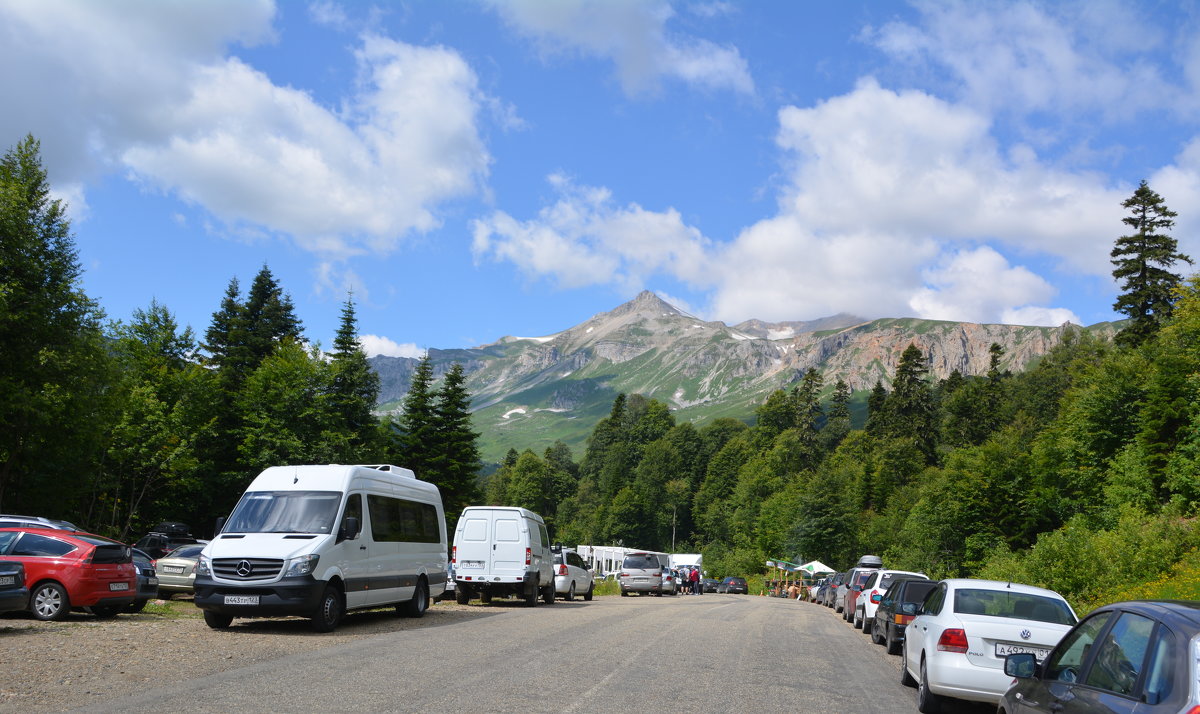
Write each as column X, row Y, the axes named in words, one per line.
column 956, row 644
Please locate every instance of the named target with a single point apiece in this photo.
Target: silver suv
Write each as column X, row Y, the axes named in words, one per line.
column 641, row 573
column 7, row 521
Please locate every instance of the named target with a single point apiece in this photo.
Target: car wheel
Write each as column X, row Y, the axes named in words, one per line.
column 624, row 593
column 858, row 620
column 329, row 610
column 136, row 606
column 658, row 593
column 905, row 678
column 875, row 636
column 868, row 627
column 927, row 701
column 49, row 601
column 419, row 603
column 587, row 596
column 107, row 612
column 892, row 643
column 461, row 595
column 570, row 592
column 217, row 620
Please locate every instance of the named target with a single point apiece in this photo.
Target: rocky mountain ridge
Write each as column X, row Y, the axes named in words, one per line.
column 527, row 392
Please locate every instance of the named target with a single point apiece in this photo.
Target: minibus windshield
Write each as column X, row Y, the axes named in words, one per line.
column 284, row 512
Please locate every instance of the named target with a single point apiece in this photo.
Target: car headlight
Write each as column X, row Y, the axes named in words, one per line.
column 202, row 566
column 303, row 565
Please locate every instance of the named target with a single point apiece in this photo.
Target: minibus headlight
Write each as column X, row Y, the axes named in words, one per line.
column 202, row 566
column 303, row 565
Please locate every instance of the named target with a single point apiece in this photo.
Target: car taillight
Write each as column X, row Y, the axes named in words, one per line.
column 193, row 570
column 528, row 556
column 623, row 575
column 562, row 570
column 454, row 554
column 902, row 619
column 953, row 640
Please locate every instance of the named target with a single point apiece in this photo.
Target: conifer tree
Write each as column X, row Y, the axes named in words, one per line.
column 1143, row 261
column 417, row 420
column 355, row 385
column 454, row 462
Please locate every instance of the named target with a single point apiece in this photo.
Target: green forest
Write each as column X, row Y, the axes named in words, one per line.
column 1080, row 473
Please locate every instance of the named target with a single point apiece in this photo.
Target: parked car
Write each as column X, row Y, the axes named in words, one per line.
column 829, row 592
column 147, row 587
column 733, row 584
column 851, row 586
column 14, row 593
column 872, row 593
column 670, row 582
column 1125, row 657
column 897, row 608
column 157, row 545
column 451, row 592
column 571, row 574
column 68, row 569
column 709, row 585
column 956, row 644
column 177, row 570
column 640, row 573
column 11, row 521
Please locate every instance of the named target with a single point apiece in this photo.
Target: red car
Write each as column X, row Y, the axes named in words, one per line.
column 66, row 570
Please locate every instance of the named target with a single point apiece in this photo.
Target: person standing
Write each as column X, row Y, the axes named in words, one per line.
column 695, row 578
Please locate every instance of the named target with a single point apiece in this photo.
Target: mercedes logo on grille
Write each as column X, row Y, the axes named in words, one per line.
column 244, row 569
column 1025, row 634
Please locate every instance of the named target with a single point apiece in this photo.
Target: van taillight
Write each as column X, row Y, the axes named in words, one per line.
column 454, row 554
column 953, row 640
column 528, row 556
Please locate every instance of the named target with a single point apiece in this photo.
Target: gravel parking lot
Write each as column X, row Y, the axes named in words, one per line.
column 55, row 666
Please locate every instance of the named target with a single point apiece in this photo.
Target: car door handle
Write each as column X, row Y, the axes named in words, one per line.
column 362, row 547
column 1027, row 702
column 1055, row 707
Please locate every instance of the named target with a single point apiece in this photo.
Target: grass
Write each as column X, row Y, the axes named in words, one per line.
column 1180, row 582
column 172, row 609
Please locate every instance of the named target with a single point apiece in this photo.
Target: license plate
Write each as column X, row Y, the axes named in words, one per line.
column 1005, row 648
column 152, row 581
column 470, row 564
column 118, row 586
column 241, row 599
column 172, row 569
column 8, row 580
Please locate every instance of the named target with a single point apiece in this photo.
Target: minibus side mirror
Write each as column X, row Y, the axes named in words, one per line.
column 349, row 530
column 218, row 526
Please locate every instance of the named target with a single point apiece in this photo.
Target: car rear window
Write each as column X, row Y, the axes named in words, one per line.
column 737, row 581
column 186, row 551
column 1015, row 605
column 36, row 545
column 640, row 562
column 916, row 590
column 558, row 559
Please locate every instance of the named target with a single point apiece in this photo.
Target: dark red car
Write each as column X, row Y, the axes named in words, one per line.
column 66, row 570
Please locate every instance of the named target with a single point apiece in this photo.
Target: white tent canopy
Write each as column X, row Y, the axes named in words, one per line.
column 816, row 566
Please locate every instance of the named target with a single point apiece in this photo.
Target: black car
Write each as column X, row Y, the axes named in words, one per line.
column 157, row 545
column 147, row 587
column 830, row 590
column 897, row 608
column 733, row 584
column 1125, row 657
column 709, row 585
column 14, row 591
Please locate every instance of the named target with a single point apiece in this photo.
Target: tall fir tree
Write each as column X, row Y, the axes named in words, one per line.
column 1143, row 261
column 355, row 385
column 54, row 365
column 455, row 460
column 910, row 406
column 416, row 422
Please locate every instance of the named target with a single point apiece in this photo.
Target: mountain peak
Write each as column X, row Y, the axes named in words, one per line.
column 646, row 303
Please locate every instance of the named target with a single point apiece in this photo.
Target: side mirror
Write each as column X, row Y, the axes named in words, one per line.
column 886, row 602
column 1022, row 665
column 350, row 529
column 218, row 526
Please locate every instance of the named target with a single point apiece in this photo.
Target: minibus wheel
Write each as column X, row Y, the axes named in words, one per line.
column 329, row 610
column 217, row 620
column 419, row 603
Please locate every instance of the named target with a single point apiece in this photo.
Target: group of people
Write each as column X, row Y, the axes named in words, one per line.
column 688, row 578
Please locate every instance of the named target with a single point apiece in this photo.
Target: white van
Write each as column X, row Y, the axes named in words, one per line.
column 317, row 541
column 500, row 551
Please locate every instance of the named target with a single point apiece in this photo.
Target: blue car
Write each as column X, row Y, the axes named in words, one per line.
column 14, row 591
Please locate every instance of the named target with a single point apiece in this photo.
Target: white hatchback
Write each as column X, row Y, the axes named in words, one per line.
column 571, row 575
column 956, row 644
column 872, row 594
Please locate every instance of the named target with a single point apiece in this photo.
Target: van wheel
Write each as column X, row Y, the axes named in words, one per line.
column 217, row 620
column 548, row 594
column 485, row 597
column 419, row 603
column 531, row 595
column 329, row 610
column 49, row 601
column 587, row 596
column 461, row 595
column 570, row 593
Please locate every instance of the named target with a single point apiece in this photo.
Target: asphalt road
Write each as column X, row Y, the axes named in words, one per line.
column 714, row 652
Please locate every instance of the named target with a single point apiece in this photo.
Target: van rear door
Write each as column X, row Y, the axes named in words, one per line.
column 508, row 544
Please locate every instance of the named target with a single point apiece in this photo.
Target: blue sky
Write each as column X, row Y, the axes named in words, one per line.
column 480, row 168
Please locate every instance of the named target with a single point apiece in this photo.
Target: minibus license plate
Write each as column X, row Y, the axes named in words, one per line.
column 241, row 599
column 8, row 580
column 118, row 586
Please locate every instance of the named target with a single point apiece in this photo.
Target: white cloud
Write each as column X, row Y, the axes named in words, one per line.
column 1044, row 316
column 584, row 239
column 154, row 93
column 1024, row 57
column 375, row 345
column 634, row 35
column 970, row 283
